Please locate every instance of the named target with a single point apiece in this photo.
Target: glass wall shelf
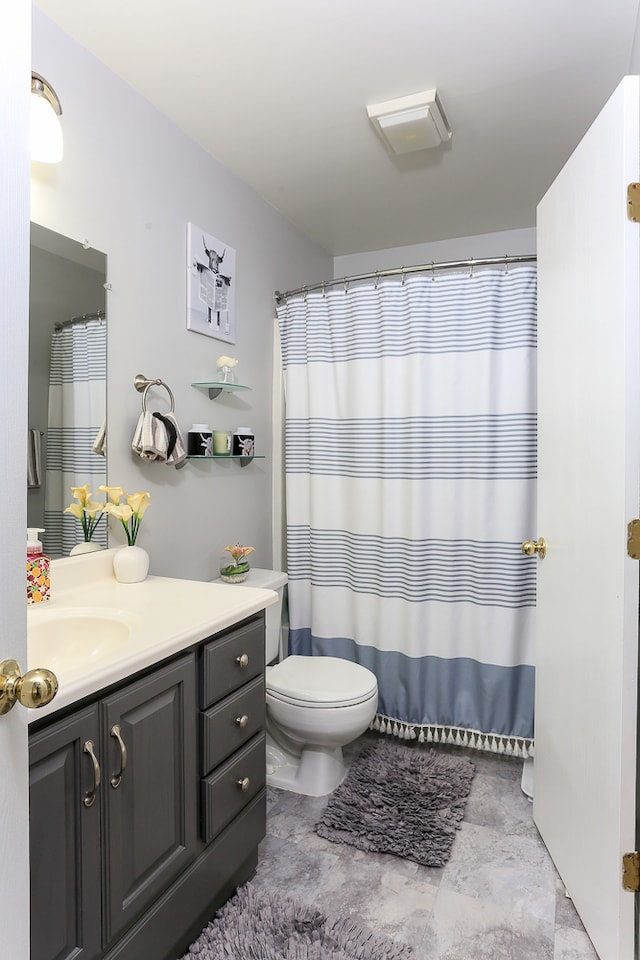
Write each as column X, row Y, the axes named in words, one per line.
column 216, row 387
column 244, row 460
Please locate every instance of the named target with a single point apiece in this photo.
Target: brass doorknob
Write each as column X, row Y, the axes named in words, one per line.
column 35, row 689
column 530, row 547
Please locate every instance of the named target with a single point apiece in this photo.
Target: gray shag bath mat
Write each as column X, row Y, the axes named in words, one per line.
column 260, row 926
column 404, row 800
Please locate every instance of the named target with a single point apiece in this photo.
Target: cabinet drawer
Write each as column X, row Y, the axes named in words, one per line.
column 232, row 661
column 222, row 794
column 231, row 723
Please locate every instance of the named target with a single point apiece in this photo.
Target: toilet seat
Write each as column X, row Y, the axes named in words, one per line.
column 320, row 682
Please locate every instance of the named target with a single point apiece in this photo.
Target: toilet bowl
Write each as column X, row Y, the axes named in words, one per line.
column 315, row 706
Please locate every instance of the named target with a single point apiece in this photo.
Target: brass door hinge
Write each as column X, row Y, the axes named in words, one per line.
column 633, row 202
column 633, row 539
column 631, row 872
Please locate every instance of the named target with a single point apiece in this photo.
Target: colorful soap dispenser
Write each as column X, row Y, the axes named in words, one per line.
column 38, row 568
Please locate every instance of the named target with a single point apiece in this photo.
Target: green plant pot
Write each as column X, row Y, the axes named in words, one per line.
column 234, row 572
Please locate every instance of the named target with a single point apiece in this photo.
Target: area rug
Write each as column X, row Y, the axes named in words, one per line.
column 262, row 926
column 408, row 801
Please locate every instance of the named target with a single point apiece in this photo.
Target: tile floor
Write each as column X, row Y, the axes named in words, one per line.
column 498, row 898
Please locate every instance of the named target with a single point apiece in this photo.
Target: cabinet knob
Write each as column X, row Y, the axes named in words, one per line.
column 242, row 661
column 35, row 689
column 242, row 721
column 244, row 784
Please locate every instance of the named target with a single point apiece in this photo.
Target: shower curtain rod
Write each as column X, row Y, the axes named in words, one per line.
column 405, row 271
column 96, row 315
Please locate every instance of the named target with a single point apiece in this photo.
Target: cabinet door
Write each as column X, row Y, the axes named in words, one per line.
column 65, row 840
column 150, row 794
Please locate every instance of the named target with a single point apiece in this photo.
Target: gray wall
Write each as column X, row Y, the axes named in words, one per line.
column 512, row 242
column 129, row 183
column 634, row 65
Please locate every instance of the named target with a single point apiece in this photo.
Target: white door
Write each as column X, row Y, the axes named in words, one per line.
column 588, row 482
column 15, row 58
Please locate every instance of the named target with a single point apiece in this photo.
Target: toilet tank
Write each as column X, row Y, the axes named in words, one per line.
column 270, row 580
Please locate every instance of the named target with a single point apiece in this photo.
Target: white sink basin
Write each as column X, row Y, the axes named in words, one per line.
column 76, row 638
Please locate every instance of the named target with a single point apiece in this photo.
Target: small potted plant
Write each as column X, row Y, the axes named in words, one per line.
column 238, row 569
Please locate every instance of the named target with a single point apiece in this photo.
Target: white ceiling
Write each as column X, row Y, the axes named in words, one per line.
column 277, row 91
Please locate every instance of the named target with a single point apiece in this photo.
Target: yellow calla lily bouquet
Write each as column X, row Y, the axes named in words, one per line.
column 129, row 514
column 90, row 513
column 86, row 510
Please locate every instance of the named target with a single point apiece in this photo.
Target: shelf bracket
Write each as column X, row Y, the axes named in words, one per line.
column 245, row 460
column 214, row 392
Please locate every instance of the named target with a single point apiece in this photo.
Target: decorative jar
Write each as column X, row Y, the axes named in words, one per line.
column 85, row 546
column 131, row 564
column 234, row 572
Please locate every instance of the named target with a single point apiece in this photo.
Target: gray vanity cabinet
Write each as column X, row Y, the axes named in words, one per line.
column 150, row 797
column 232, row 697
column 64, row 841
column 139, row 833
column 134, row 866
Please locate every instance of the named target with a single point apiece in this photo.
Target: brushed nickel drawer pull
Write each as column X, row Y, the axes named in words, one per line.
column 117, row 777
column 242, row 721
column 244, row 784
column 243, row 661
column 89, row 798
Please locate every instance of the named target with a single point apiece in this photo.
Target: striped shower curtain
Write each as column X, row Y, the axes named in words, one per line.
column 77, row 412
column 410, row 458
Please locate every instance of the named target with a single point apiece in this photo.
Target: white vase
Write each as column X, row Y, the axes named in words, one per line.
column 85, row 546
column 131, row 564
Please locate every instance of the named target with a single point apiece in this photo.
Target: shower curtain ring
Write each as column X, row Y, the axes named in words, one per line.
column 471, row 269
column 433, row 272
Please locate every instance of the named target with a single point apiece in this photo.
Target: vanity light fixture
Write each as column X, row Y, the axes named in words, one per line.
column 416, row 122
column 46, row 131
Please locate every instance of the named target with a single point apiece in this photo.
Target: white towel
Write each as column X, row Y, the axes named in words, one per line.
column 100, row 442
column 34, row 457
column 151, row 441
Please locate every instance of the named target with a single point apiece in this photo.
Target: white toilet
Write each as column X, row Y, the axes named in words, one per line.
column 315, row 706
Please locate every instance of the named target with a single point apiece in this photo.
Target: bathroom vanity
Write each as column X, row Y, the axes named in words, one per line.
column 147, row 791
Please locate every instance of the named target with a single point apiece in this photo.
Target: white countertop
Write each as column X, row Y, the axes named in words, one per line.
column 163, row 617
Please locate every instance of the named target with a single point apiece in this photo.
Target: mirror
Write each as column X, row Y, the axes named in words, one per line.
column 66, row 442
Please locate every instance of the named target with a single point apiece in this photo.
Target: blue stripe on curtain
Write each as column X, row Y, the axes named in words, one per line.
column 380, row 321
column 418, row 571
column 410, row 449
column 457, row 692
column 71, row 449
column 501, row 447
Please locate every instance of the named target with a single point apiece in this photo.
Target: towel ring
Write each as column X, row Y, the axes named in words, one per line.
column 143, row 385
